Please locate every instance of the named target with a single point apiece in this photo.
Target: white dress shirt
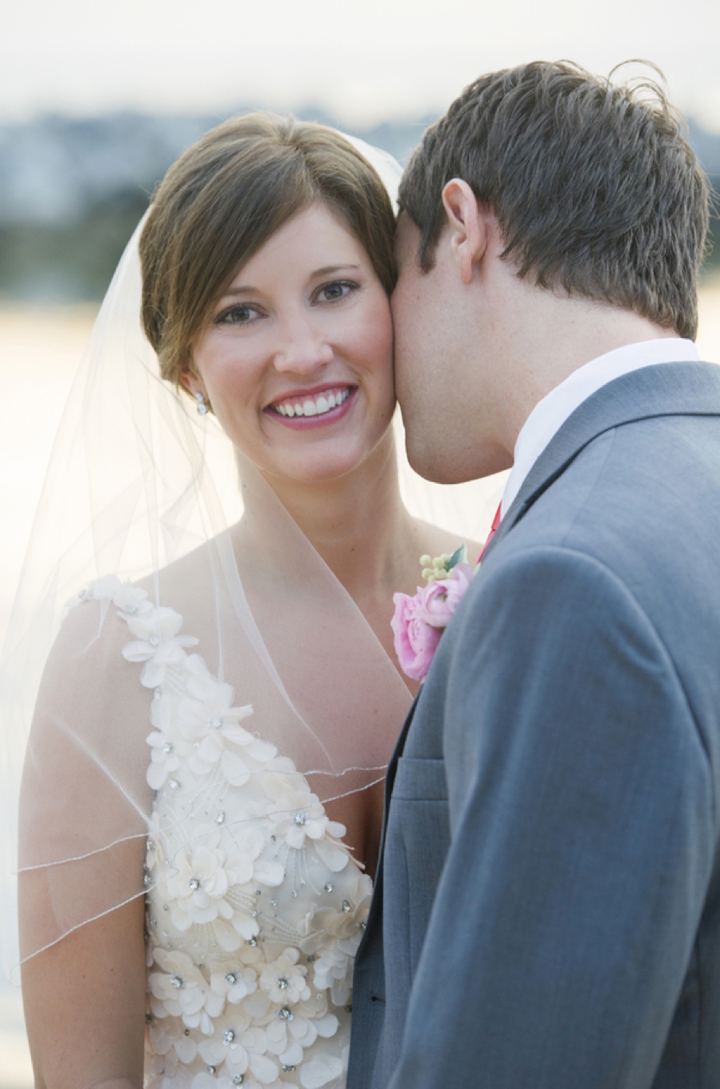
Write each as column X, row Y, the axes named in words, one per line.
column 550, row 414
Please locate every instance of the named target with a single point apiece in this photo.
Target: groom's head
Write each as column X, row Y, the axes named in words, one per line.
column 591, row 189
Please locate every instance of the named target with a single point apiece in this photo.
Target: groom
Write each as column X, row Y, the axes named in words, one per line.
column 547, row 913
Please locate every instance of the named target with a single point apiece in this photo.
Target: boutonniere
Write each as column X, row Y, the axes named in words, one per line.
column 419, row 621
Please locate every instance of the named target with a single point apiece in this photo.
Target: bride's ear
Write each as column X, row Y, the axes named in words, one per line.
column 468, row 225
column 191, row 382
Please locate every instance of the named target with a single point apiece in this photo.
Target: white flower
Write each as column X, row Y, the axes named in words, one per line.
column 336, row 935
column 290, row 1034
column 168, row 1038
column 180, row 990
column 157, row 644
column 284, row 981
column 321, row 1069
column 208, row 871
column 234, row 983
column 208, row 719
column 167, row 747
column 298, row 815
column 201, row 882
column 239, row 1050
column 131, row 600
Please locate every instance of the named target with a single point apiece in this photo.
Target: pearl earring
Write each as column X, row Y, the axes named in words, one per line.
column 202, row 405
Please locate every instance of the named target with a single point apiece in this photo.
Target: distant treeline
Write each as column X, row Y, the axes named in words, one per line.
column 73, row 190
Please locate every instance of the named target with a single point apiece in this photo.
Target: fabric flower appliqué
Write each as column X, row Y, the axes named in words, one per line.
column 332, row 939
column 157, row 643
column 419, row 621
column 180, row 990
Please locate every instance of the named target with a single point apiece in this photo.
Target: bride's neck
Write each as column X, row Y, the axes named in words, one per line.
column 357, row 524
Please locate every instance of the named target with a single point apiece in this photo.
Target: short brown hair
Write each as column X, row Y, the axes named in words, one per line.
column 595, row 188
column 224, row 198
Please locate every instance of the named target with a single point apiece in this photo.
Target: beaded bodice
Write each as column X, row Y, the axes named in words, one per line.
column 255, row 907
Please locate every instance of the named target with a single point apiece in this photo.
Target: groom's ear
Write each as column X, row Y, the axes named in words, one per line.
column 468, row 226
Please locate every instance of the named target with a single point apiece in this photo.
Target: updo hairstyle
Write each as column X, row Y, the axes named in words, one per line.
column 225, row 197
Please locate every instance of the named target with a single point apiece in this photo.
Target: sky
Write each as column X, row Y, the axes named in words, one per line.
column 360, row 62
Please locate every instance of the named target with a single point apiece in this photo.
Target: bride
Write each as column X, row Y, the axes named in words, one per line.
column 201, row 799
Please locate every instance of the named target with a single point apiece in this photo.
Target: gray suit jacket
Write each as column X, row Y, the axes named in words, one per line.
column 547, row 908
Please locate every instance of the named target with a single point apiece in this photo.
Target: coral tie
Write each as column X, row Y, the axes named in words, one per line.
column 493, row 530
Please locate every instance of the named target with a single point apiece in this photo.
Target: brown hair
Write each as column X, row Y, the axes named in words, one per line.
column 594, row 186
column 224, row 198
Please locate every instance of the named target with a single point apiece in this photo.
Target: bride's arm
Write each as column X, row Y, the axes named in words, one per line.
column 84, row 997
column 83, row 810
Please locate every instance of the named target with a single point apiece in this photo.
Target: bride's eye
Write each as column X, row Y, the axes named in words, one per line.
column 237, row 315
column 335, row 290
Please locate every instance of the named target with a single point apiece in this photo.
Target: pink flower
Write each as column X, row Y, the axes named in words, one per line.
column 415, row 640
column 419, row 621
column 438, row 600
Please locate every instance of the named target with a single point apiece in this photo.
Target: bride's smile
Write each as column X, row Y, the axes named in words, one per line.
column 296, row 359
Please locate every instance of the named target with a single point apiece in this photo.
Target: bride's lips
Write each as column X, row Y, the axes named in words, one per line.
column 314, row 407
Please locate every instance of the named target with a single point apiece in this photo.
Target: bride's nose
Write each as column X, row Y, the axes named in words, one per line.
column 302, row 346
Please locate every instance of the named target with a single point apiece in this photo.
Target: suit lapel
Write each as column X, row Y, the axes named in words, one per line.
column 667, row 389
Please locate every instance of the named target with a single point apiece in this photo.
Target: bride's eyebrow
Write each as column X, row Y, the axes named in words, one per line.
column 326, row 270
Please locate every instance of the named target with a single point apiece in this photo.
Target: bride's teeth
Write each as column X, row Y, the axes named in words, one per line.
column 317, row 407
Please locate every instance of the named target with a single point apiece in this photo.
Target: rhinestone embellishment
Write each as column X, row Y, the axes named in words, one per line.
column 219, row 819
column 238, row 1079
column 230, row 979
column 328, row 886
column 252, row 942
column 173, row 784
column 286, row 1014
column 301, row 819
column 177, row 982
column 212, row 1069
column 154, row 640
column 282, row 984
column 194, row 883
column 287, row 1067
column 345, row 906
column 167, row 747
column 228, row 1036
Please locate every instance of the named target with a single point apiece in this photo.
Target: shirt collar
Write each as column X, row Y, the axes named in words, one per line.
column 552, row 411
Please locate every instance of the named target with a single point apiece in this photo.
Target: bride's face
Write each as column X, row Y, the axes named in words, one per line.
column 297, row 358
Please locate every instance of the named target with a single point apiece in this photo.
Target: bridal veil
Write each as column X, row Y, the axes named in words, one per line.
column 141, row 513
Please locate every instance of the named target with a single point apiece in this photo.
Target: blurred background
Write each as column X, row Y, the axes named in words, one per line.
column 96, row 100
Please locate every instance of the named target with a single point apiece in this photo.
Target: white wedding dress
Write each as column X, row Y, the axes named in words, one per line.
column 255, row 907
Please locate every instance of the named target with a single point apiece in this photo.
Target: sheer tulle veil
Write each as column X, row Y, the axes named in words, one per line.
column 145, row 497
